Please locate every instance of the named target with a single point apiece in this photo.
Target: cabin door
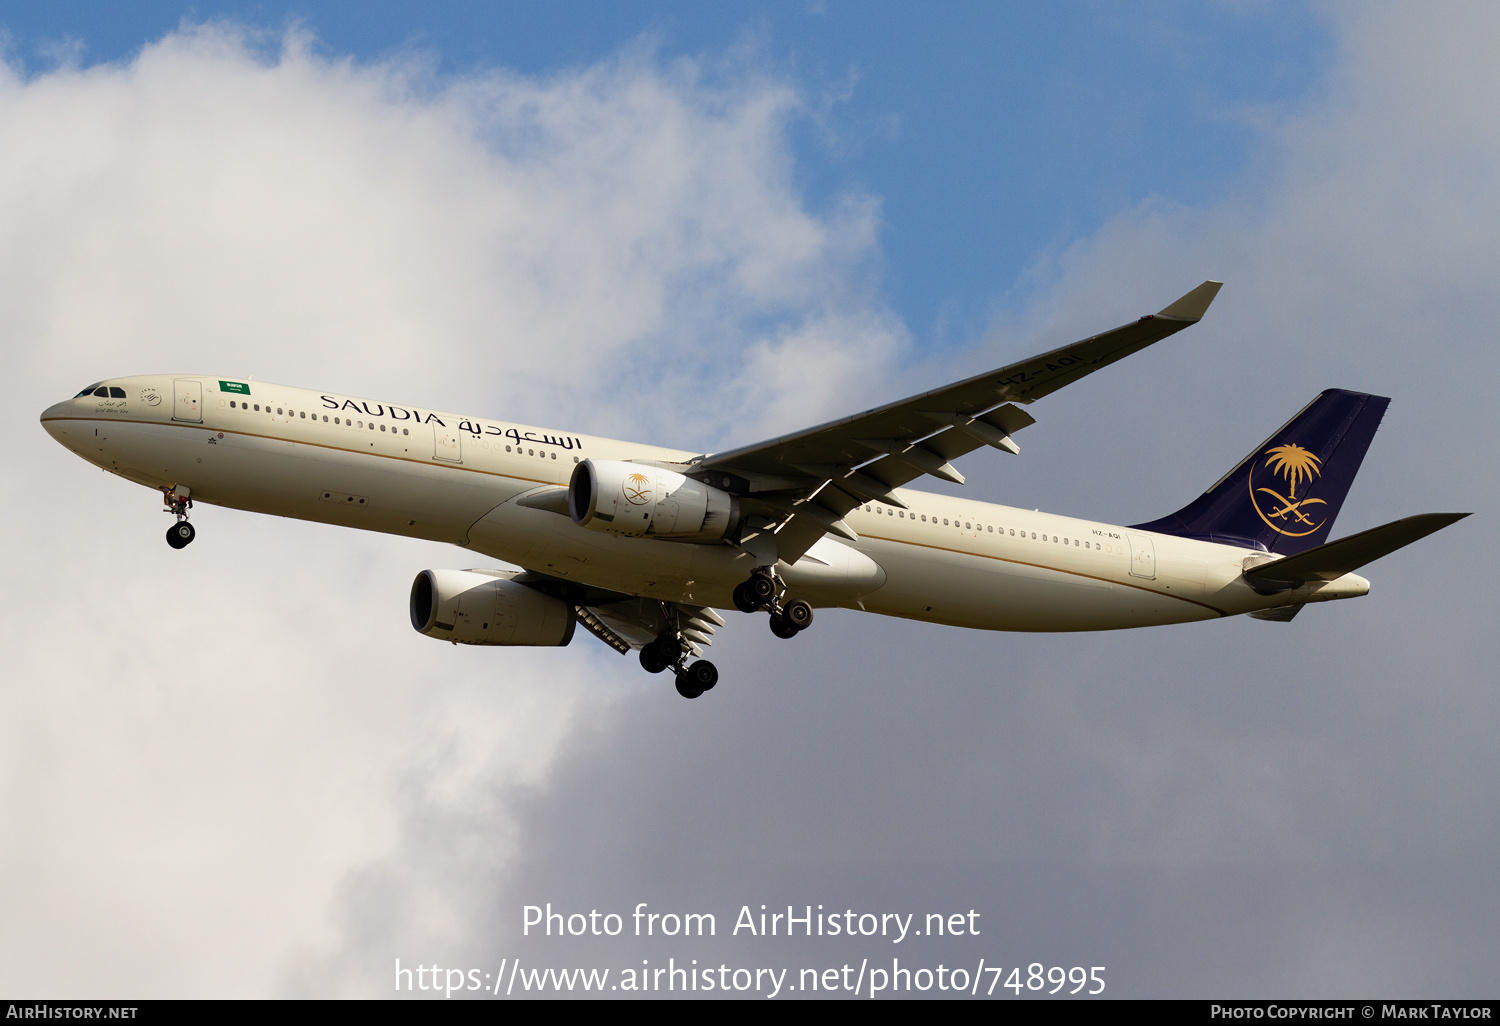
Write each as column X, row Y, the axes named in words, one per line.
column 446, row 444
column 1142, row 556
column 189, row 405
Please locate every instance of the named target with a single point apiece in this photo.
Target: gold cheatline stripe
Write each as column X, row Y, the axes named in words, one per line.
column 491, row 473
column 1044, row 566
column 297, row 441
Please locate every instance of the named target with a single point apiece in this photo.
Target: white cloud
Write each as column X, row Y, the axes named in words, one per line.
column 221, row 762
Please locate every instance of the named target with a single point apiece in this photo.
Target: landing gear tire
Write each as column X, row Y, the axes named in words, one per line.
column 762, row 588
column 180, row 534
column 669, row 648
column 702, row 675
column 743, row 600
column 798, row 613
column 782, row 628
column 685, row 687
column 651, row 660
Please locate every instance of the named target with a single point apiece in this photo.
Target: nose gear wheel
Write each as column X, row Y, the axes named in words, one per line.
column 178, row 504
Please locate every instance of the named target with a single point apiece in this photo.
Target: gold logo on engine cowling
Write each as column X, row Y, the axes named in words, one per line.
column 637, row 489
column 1287, row 514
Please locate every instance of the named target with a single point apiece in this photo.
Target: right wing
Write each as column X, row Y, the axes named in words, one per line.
column 802, row 484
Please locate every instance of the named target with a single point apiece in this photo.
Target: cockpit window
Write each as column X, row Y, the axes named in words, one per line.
column 116, row 392
column 86, row 391
column 102, row 392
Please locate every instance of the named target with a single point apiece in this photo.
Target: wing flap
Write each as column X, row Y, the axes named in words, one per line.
column 638, row 621
column 599, row 629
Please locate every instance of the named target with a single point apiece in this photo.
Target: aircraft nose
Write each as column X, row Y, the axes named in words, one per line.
column 52, row 419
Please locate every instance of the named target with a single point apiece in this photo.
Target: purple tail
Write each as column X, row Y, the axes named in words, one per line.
column 1284, row 496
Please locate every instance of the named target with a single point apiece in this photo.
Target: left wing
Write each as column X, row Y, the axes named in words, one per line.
column 799, row 486
column 638, row 621
column 626, row 622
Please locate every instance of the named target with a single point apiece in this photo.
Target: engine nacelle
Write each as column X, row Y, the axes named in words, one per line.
column 486, row 607
column 639, row 501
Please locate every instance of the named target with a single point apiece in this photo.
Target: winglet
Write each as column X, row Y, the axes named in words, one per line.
column 1194, row 305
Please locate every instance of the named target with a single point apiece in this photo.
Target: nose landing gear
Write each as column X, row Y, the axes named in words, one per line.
column 178, row 501
column 764, row 590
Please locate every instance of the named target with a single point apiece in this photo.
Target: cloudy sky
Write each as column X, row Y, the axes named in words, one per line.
column 236, row 770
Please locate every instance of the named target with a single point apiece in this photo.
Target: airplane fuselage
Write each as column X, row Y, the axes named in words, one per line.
column 422, row 473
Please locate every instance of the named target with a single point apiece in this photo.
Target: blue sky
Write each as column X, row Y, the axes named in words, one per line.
column 992, row 133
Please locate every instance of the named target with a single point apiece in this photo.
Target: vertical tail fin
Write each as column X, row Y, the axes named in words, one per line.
column 1284, row 496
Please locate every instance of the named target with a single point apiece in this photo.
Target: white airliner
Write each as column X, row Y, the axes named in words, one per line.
column 641, row 544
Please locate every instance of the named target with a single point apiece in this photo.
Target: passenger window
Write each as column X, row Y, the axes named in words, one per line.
column 404, row 431
column 382, row 427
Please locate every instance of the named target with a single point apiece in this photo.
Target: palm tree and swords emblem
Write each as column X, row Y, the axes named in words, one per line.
column 1296, row 464
column 637, row 489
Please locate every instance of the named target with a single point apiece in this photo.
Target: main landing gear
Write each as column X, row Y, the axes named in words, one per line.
column 178, row 502
column 668, row 650
column 764, row 590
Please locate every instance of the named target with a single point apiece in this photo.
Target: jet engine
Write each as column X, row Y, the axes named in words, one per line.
column 638, row 500
column 486, row 607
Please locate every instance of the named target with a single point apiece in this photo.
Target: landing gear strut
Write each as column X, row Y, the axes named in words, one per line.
column 178, row 502
column 764, row 590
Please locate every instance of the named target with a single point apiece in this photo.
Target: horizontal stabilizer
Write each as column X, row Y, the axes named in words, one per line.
column 1334, row 560
column 1277, row 614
